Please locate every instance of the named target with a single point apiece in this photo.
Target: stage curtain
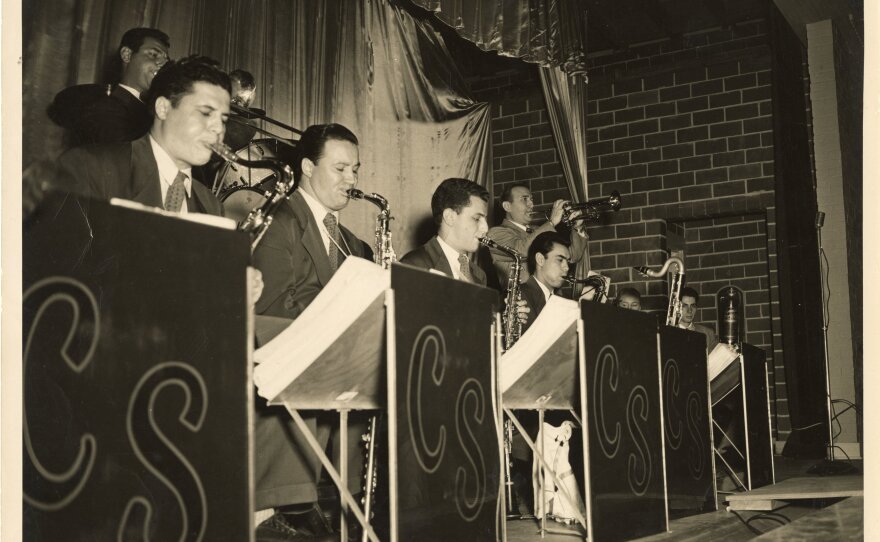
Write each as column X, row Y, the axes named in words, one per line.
column 366, row 64
column 546, row 32
column 566, row 98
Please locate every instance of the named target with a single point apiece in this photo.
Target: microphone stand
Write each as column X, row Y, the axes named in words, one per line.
column 827, row 467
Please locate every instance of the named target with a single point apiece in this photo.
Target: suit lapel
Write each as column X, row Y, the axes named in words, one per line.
column 311, row 238
column 145, row 174
column 437, row 257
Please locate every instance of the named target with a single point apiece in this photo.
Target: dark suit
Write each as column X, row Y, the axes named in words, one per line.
column 295, row 268
column 533, row 295
column 431, row 256
column 127, row 171
column 111, row 119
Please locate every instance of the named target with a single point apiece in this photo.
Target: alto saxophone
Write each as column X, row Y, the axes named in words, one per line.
column 673, row 311
column 260, row 218
column 384, row 255
column 510, row 319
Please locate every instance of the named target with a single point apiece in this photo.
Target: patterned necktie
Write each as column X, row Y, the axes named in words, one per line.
column 176, row 193
column 333, row 230
column 464, row 269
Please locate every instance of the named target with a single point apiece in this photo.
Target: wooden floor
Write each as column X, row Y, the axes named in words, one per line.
column 811, row 508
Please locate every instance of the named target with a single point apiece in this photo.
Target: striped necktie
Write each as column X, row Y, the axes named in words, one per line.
column 333, row 230
column 464, row 269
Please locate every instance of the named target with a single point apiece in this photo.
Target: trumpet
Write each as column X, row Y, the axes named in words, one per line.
column 590, row 209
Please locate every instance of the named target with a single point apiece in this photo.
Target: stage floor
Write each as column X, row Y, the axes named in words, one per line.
column 824, row 519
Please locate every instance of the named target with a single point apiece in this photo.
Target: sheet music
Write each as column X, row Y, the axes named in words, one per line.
column 720, row 358
column 354, row 286
column 558, row 315
column 201, row 218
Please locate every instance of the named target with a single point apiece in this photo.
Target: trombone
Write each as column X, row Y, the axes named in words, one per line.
column 243, row 113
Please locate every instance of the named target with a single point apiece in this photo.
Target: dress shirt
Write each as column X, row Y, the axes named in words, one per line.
column 133, row 91
column 319, row 212
column 451, row 255
column 168, row 171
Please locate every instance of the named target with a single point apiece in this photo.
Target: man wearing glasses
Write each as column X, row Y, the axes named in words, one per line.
column 114, row 114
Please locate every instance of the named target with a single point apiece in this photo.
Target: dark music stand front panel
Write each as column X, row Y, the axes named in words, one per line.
column 137, row 376
column 448, row 472
column 626, row 492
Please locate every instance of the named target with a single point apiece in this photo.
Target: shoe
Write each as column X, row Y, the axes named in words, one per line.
column 277, row 529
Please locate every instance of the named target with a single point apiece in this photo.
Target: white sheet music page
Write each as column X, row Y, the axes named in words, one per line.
column 720, row 358
column 354, row 286
column 558, row 316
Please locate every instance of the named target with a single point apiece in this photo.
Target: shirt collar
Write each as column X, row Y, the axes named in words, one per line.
column 547, row 291
column 317, row 208
column 134, row 92
column 518, row 225
column 451, row 255
column 168, row 169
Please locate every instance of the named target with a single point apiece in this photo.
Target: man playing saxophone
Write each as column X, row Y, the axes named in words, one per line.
column 548, row 263
column 516, row 232
column 298, row 255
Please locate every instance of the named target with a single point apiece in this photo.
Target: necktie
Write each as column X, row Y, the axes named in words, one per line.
column 333, row 230
column 176, row 193
column 463, row 269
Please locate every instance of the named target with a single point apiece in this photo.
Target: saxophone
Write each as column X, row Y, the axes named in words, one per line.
column 673, row 312
column 594, row 281
column 512, row 325
column 260, row 218
column 384, row 255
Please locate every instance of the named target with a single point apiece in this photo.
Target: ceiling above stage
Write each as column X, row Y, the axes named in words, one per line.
column 616, row 24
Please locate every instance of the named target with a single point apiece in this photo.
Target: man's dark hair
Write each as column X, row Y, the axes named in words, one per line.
column 631, row 292
column 507, row 193
column 245, row 78
column 311, row 144
column 543, row 243
column 455, row 194
column 135, row 37
column 690, row 292
column 176, row 78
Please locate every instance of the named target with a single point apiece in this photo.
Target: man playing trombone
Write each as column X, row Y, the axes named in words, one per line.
column 516, row 232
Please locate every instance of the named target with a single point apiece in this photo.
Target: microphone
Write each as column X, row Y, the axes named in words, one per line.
column 820, row 219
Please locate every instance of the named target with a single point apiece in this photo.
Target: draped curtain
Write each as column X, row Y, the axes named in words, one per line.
column 366, row 64
column 566, row 98
column 547, row 32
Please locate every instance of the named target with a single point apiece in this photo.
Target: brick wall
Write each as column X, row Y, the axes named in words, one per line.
column 683, row 130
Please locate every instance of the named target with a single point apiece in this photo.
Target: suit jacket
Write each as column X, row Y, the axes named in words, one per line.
column 127, row 171
column 111, row 119
column 293, row 259
column 533, row 295
column 431, row 256
column 711, row 338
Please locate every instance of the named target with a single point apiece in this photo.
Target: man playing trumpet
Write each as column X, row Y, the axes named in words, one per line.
column 516, row 232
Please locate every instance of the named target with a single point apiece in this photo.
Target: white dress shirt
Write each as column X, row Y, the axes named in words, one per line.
column 452, row 256
column 133, row 91
column 168, row 171
column 320, row 212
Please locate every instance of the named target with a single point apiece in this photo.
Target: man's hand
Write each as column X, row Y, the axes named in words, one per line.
column 522, row 311
column 255, row 279
column 557, row 211
column 589, row 291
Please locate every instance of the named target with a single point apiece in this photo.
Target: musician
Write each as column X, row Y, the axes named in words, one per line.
column 689, row 299
column 547, row 263
column 459, row 208
column 629, row 298
column 121, row 114
column 298, row 255
column 189, row 100
column 515, row 232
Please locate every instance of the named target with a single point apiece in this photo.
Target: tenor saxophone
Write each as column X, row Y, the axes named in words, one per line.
column 673, row 311
column 384, row 253
column 510, row 319
column 260, row 218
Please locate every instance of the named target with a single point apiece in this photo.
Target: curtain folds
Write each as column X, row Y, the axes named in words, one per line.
column 566, row 98
column 546, row 32
column 366, row 64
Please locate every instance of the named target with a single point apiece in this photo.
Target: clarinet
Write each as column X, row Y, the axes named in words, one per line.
column 512, row 325
column 673, row 311
column 260, row 218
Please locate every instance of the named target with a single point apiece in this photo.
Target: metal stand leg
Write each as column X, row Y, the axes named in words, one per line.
column 334, row 475
column 541, row 473
column 343, row 472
